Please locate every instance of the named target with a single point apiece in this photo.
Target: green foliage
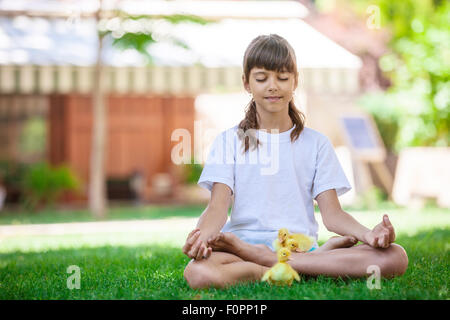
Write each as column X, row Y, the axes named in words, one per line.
column 139, row 32
column 43, row 185
column 139, row 41
column 12, row 174
column 179, row 18
column 387, row 117
column 33, row 136
column 415, row 109
column 191, row 172
column 419, row 67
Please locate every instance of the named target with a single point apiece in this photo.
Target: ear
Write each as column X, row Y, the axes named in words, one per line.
column 246, row 84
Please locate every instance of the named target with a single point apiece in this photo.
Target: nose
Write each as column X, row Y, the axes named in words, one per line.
column 272, row 84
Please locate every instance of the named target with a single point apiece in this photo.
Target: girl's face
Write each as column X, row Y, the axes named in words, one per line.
column 272, row 91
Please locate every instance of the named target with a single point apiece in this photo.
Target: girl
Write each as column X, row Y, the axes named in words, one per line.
column 302, row 166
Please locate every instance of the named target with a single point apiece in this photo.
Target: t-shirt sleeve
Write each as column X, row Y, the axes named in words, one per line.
column 219, row 166
column 328, row 172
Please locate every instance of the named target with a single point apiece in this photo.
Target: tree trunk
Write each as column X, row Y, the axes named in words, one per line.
column 97, row 187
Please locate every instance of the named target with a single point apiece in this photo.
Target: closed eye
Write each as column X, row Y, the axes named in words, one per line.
column 262, row 80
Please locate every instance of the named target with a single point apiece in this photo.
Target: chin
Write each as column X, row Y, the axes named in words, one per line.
column 276, row 107
column 273, row 107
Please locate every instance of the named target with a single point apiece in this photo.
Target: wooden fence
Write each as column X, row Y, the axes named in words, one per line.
column 139, row 133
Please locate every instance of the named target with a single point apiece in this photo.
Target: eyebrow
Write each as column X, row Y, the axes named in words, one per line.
column 264, row 72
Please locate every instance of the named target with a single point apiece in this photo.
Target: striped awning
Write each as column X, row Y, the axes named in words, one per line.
column 33, row 79
column 56, row 55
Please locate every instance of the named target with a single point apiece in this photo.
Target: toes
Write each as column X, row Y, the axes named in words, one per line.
column 350, row 241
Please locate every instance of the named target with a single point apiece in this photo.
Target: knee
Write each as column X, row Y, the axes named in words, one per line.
column 395, row 262
column 198, row 275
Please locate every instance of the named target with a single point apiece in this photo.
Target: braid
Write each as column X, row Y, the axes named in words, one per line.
column 250, row 122
column 298, row 118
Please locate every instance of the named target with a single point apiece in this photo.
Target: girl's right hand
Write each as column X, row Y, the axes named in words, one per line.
column 195, row 247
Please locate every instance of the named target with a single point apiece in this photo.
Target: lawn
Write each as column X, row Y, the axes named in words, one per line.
column 156, row 272
column 19, row 216
column 150, row 266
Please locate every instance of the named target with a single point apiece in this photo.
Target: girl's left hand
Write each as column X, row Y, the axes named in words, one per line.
column 382, row 235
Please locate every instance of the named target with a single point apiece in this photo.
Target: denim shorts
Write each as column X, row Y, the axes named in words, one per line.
column 261, row 237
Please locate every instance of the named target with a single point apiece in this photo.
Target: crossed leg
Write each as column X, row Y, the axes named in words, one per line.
column 220, row 270
column 247, row 262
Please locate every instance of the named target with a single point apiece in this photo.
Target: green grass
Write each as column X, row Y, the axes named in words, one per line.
column 434, row 215
column 82, row 215
column 156, row 272
column 149, row 265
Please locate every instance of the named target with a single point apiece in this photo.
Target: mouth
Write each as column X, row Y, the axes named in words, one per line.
column 273, row 98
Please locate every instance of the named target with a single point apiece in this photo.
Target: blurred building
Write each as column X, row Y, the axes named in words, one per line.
column 46, row 73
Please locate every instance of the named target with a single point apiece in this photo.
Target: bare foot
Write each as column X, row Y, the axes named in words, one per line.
column 229, row 242
column 337, row 242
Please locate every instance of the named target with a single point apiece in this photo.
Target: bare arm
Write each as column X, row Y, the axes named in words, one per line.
column 210, row 222
column 215, row 215
column 337, row 220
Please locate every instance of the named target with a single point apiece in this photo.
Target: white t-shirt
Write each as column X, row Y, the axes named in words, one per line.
column 274, row 185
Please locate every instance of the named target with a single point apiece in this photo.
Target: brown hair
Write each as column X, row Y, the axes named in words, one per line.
column 272, row 53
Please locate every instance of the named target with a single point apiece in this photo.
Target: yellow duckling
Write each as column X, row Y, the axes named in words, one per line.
column 292, row 244
column 281, row 272
column 304, row 242
column 280, row 242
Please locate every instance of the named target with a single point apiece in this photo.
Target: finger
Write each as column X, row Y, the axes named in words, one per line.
column 375, row 242
column 204, row 252
column 189, row 237
column 194, row 250
column 385, row 240
column 192, row 233
column 194, row 237
column 380, row 241
column 391, row 235
column 200, row 252
column 386, row 221
column 208, row 252
column 389, row 231
column 188, row 245
column 384, row 230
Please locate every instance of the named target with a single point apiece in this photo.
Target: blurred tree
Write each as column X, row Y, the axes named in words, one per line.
column 97, row 180
column 128, row 31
